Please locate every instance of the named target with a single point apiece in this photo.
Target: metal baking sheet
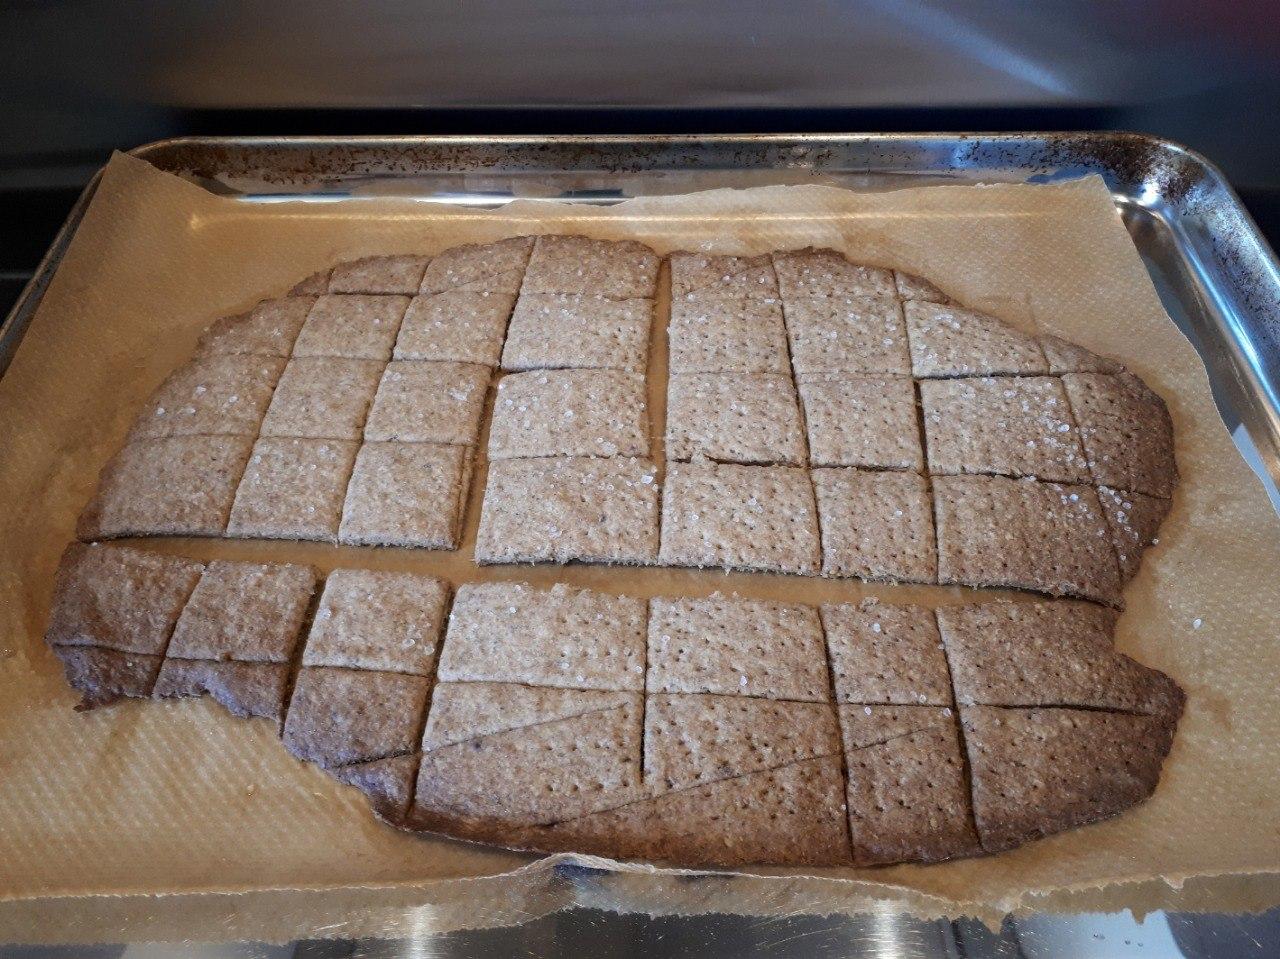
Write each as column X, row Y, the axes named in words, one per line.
column 1215, row 273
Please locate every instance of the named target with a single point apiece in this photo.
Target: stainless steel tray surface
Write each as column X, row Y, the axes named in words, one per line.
column 1216, row 275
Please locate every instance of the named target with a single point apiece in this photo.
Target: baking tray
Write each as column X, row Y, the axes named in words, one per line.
column 1215, row 273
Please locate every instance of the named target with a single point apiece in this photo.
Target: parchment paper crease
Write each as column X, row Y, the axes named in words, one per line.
column 182, row 799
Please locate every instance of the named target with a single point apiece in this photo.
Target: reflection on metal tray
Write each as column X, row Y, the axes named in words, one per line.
column 1218, row 279
column 1215, row 274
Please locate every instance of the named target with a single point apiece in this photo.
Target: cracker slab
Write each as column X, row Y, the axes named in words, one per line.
column 857, row 420
column 701, row 276
column 713, row 335
column 353, row 327
column 851, row 334
column 739, row 647
column 428, row 403
column 739, row 517
column 323, row 398
column 243, row 689
column 102, row 676
column 619, row 270
column 293, row 489
column 406, row 494
column 211, row 395
column 379, row 274
column 950, row 341
column 338, row 717
column 456, row 326
column 876, row 526
column 569, row 413
column 578, row 331
column 269, row 329
column 734, row 418
column 883, row 654
column 479, row 267
column 567, row 509
column 825, row 272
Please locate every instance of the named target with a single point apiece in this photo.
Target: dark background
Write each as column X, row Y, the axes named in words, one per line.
column 79, row 78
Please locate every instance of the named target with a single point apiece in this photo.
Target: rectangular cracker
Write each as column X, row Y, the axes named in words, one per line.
column 565, row 637
column 455, row 326
column 913, row 287
column 578, row 331
column 1053, row 653
column 247, row 612
column 885, row 654
column 342, row 716
column 560, row 510
column 739, row 517
column 792, row 815
column 323, row 398
column 354, row 327
column 907, row 795
column 244, row 689
column 118, row 598
column 480, row 267
column 715, row 335
column 269, row 329
column 694, row 740
column 856, row 420
column 1127, row 432
column 1011, row 425
column 293, row 489
column 1085, row 766
column 847, row 334
column 428, row 403
column 511, row 755
column 177, row 486
column 379, row 274
column 734, row 417
column 949, row 341
column 1135, row 520
column 739, row 647
column 1048, row 537
column 619, row 270
column 876, row 525
column 703, row 276
column 210, row 395
column 102, row 676
column 821, row 272
column 376, row 619
column 569, row 413
column 406, row 494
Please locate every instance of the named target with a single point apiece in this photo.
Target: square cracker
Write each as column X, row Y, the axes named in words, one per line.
column 814, row 272
column 907, row 795
column 1048, row 537
column 1086, row 765
column 406, row 494
column 322, row 398
column 247, row 612
column 355, row 327
column 428, row 403
column 912, row 287
column 950, row 341
column 293, row 489
column 1011, row 425
column 619, row 270
column 569, row 413
column 714, row 335
column 693, row 740
column 565, row 637
column 703, row 276
column 560, row 509
column 375, row 619
column 578, row 331
column 379, row 274
column 883, row 654
column 102, row 676
column 734, row 417
column 480, row 267
column 856, row 420
column 342, row 716
column 1135, row 520
column 876, row 525
column 740, row 647
column 211, row 395
column 1053, row 653
column 847, row 334
column 176, row 486
column 244, row 689
column 458, row 326
column 118, row 598
column 739, row 517
column 1127, row 432
column 269, row 329
column 499, row 755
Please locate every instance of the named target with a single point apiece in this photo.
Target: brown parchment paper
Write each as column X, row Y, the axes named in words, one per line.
column 167, row 819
